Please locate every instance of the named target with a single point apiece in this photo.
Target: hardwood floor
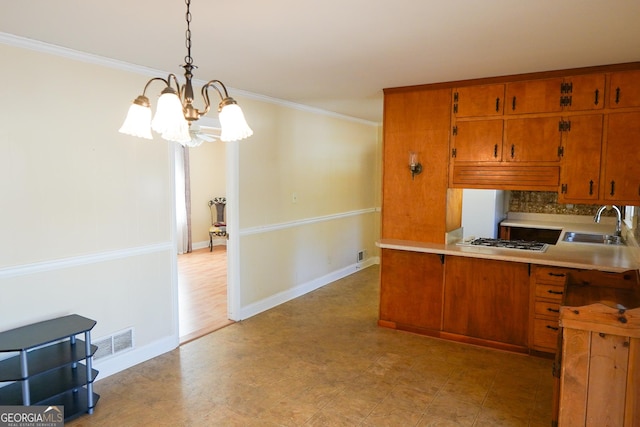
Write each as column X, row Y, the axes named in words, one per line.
column 202, row 292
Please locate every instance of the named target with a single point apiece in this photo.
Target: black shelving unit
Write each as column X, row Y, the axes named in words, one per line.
column 52, row 366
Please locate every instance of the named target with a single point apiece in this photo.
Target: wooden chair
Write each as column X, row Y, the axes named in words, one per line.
column 218, row 226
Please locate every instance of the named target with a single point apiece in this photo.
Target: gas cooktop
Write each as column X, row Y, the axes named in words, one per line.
column 507, row 244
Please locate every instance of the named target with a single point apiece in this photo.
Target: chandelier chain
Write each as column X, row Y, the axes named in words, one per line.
column 188, row 59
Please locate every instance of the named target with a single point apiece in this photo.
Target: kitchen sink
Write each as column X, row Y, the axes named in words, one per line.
column 602, row 239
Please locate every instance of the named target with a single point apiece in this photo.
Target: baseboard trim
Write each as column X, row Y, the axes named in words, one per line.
column 282, row 297
column 125, row 360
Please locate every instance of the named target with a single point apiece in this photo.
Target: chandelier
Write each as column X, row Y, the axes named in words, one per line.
column 175, row 111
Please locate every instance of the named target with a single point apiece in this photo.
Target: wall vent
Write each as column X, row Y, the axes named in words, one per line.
column 114, row 344
column 360, row 256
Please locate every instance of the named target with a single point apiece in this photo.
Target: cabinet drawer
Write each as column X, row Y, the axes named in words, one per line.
column 551, row 292
column 545, row 334
column 549, row 309
column 551, row 275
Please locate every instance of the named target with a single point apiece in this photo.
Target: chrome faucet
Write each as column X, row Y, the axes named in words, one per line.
column 618, row 219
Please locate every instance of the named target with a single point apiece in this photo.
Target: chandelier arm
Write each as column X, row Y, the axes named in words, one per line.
column 212, row 83
column 175, row 80
column 166, row 82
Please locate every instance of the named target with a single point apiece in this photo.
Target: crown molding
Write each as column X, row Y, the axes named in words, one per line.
column 39, row 46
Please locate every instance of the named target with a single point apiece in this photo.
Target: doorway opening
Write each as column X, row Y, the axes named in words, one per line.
column 202, row 292
column 202, row 272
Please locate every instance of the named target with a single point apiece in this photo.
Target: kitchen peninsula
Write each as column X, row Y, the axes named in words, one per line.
column 565, row 131
column 497, row 297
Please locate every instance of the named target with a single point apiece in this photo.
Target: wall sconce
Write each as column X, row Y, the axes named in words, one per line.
column 414, row 165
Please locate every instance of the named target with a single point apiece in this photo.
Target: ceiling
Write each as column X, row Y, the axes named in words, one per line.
column 338, row 55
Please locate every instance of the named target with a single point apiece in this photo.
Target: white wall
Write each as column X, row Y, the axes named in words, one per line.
column 331, row 166
column 87, row 213
column 86, row 219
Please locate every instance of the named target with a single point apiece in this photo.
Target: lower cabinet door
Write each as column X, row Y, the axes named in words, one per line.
column 411, row 288
column 487, row 299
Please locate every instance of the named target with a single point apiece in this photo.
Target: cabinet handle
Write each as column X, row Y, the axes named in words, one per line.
column 513, row 104
column 556, row 274
column 495, row 151
column 597, row 95
column 591, row 187
column 497, row 104
column 553, row 310
column 613, row 188
column 555, row 292
column 552, row 327
column 617, row 95
column 513, row 150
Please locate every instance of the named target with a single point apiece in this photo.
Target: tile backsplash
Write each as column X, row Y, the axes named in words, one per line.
column 547, row 202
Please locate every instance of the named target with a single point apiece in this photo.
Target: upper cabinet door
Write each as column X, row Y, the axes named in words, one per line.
column 580, row 167
column 532, row 139
column 621, row 181
column 580, row 93
column 477, row 141
column 474, row 101
column 624, row 90
column 534, row 96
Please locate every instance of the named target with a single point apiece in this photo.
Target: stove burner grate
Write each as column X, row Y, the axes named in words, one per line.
column 509, row 244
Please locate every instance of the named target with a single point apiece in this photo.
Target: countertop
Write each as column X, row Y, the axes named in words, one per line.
column 563, row 254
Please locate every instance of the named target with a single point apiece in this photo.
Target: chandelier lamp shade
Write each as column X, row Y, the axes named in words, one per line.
column 175, row 110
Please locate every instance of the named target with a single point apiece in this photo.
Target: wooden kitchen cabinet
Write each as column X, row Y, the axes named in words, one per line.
column 538, row 151
column 481, row 100
column 419, row 208
column 487, row 300
column 523, row 140
column 477, row 141
column 532, row 140
column 624, row 89
column 547, row 291
column 510, row 154
column 411, row 290
column 533, row 96
column 583, row 92
column 571, row 93
column 621, row 180
column 580, row 164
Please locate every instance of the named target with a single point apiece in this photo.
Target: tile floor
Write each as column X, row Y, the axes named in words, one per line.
column 321, row 360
